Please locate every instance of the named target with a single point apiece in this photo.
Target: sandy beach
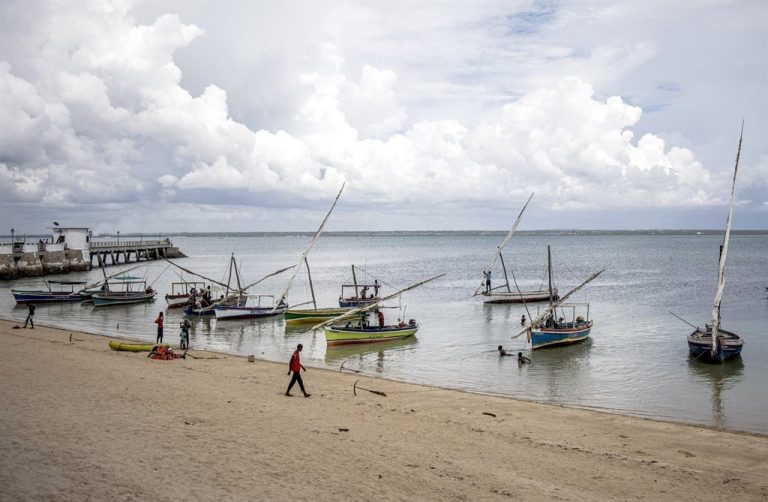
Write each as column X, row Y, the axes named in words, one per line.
column 81, row 422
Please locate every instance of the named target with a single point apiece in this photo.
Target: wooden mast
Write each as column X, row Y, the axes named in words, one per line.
column 354, row 281
column 283, row 295
column 311, row 287
column 724, row 254
column 504, row 267
column 504, row 243
column 549, row 275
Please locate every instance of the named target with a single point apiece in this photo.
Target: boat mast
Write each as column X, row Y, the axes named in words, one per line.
column 229, row 278
column 354, row 281
column 309, row 248
column 237, row 274
column 724, row 254
column 311, row 287
column 504, row 243
column 504, row 267
column 549, row 275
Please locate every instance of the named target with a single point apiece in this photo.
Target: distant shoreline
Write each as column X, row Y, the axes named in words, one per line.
column 420, row 233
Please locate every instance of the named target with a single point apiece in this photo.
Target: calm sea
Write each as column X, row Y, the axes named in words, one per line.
column 636, row 361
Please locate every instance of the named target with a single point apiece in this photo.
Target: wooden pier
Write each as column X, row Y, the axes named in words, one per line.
column 22, row 258
column 116, row 253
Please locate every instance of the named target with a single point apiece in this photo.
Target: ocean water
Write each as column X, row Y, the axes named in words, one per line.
column 635, row 362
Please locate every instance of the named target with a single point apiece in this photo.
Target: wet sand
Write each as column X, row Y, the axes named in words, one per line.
column 78, row 421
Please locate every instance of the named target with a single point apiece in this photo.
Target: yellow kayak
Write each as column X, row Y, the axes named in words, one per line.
column 130, row 347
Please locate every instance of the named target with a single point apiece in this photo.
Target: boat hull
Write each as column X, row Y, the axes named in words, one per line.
column 728, row 345
column 111, row 299
column 517, row 296
column 130, row 347
column 226, row 313
column 354, row 302
column 46, row 296
column 348, row 335
column 176, row 301
column 309, row 316
column 543, row 337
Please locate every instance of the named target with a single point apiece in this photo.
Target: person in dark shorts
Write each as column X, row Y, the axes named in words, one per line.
column 295, row 366
column 30, row 315
column 159, row 322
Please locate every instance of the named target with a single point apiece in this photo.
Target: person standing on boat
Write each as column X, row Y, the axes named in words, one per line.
column 522, row 320
column 487, row 275
column 159, row 322
column 376, row 287
column 295, row 366
column 380, row 317
column 30, row 315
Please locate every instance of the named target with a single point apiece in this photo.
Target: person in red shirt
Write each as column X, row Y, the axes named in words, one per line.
column 380, row 317
column 159, row 322
column 295, row 366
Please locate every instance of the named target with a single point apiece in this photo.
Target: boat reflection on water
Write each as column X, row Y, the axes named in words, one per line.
column 720, row 377
column 367, row 357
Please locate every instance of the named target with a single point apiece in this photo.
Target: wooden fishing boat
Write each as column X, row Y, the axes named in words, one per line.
column 561, row 332
column 312, row 316
column 522, row 296
column 253, row 307
column 343, row 335
column 132, row 292
column 130, row 346
column 356, row 295
column 554, row 329
column 713, row 344
column 560, row 323
column 181, row 292
column 57, row 291
column 357, row 329
column 506, row 293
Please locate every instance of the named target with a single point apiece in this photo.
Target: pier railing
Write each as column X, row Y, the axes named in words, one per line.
column 124, row 245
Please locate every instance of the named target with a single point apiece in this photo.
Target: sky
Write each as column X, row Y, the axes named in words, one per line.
column 238, row 116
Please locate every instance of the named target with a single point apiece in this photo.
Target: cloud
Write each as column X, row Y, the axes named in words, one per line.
column 97, row 112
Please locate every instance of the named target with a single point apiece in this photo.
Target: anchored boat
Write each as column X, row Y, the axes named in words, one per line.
column 505, row 293
column 254, row 306
column 713, row 344
column 560, row 323
column 181, row 292
column 57, row 291
column 132, row 292
column 353, row 327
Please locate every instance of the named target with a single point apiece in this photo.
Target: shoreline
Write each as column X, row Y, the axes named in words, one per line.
column 81, row 421
column 607, row 411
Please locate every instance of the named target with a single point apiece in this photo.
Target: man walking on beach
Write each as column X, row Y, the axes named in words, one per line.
column 295, row 366
column 30, row 315
column 159, row 322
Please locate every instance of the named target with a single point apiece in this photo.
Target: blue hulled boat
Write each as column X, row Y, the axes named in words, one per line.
column 58, row 291
column 713, row 344
column 560, row 323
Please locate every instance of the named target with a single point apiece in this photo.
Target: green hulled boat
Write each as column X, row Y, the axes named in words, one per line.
column 298, row 316
column 340, row 335
column 131, row 347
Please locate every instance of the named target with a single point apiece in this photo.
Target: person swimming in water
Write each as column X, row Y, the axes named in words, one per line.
column 503, row 352
column 521, row 359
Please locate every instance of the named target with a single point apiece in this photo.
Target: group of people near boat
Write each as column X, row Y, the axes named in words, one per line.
column 200, row 298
